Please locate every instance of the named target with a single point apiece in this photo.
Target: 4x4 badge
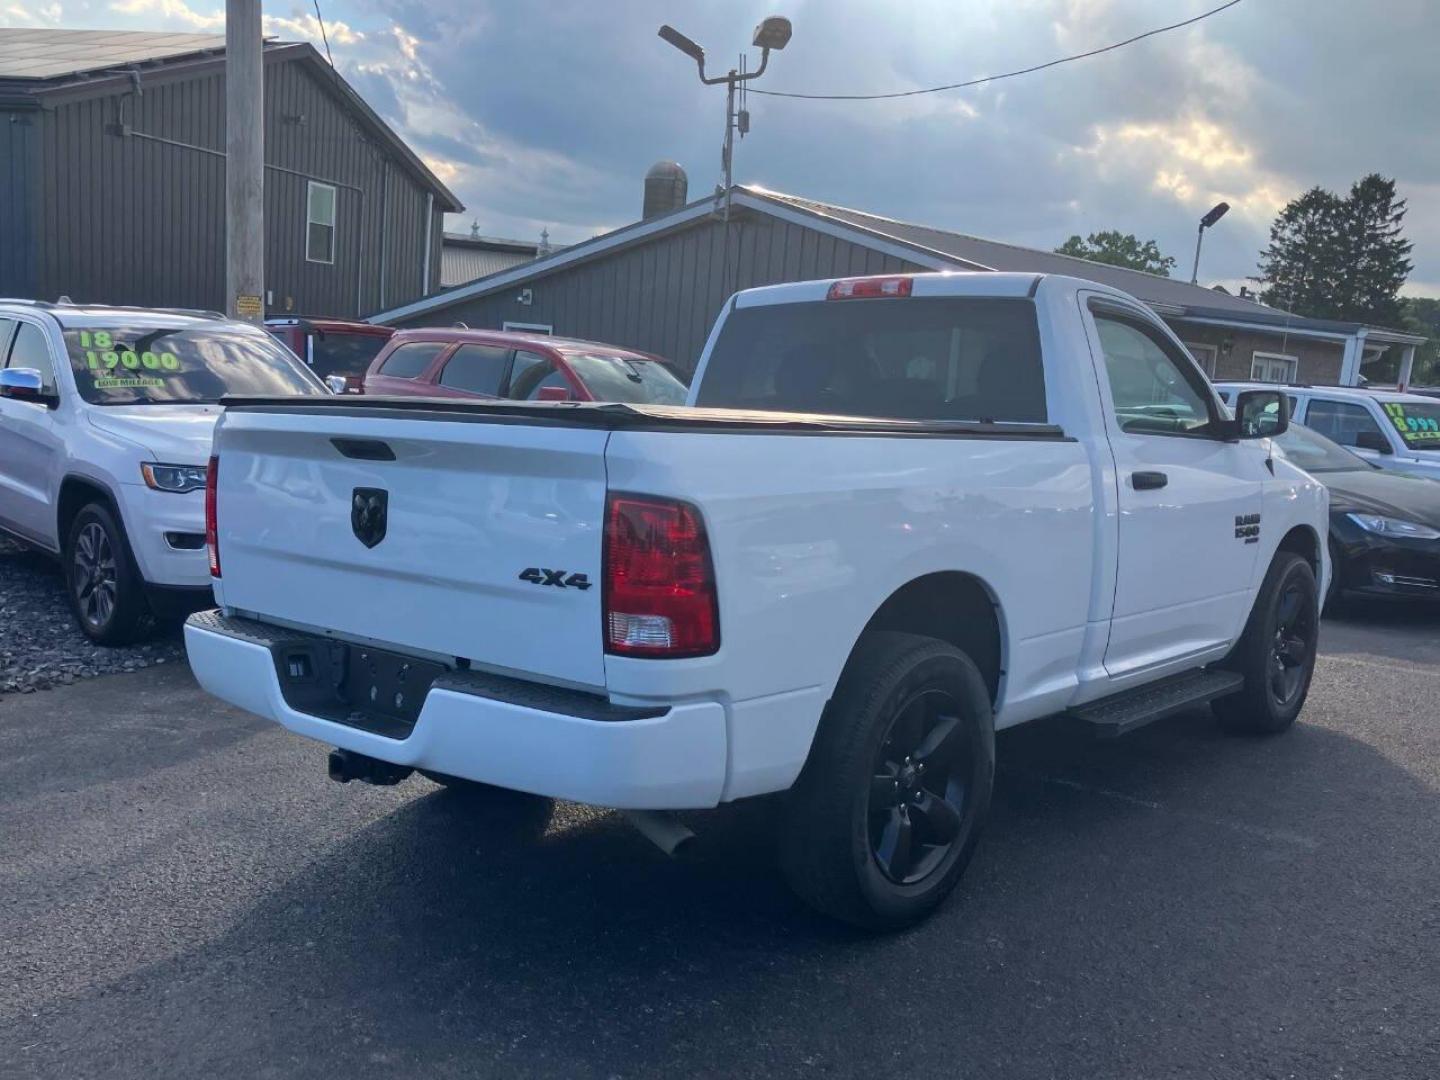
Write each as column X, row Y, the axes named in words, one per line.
column 559, row 578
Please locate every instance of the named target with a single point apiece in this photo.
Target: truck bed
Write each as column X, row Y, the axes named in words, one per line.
column 628, row 417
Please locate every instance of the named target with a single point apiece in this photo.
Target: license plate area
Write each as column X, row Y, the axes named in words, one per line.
column 371, row 689
column 385, row 689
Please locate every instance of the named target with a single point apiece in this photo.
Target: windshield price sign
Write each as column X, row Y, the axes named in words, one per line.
column 1412, row 428
column 115, row 365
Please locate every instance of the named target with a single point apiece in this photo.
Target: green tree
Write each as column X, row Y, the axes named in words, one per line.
column 1422, row 316
column 1115, row 248
column 1339, row 258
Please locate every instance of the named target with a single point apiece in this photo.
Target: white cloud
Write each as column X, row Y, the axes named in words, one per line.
column 32, row 15
column 173, row 11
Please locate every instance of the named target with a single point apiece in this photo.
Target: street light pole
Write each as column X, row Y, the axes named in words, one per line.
column 772, row 33
column 1215, row 213
column 244, row 162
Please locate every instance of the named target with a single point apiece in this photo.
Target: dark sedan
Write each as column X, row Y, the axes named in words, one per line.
column 1384, row 525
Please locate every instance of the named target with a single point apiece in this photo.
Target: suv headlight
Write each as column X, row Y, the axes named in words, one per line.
column 176, row 478
column 1394, row 527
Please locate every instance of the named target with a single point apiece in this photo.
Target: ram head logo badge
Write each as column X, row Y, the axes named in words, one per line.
column 369, row 509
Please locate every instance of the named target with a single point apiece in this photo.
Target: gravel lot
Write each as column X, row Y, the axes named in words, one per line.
column 183, row 894
column 40, row 645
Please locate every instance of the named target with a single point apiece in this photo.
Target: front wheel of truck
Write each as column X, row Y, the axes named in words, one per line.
column 887, row 812
column 1276, row 653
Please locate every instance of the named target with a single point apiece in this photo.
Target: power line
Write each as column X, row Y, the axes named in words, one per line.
column 326, row 37
column 1006, row 75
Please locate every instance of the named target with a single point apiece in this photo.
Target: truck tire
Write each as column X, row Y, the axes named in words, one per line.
column 1276, row 653
column 886, row 813
column 106, row 593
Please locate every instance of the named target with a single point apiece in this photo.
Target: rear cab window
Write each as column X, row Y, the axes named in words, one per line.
column 411, row 359
column 917, row 358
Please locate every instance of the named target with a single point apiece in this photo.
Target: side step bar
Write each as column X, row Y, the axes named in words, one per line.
column 1131, row 709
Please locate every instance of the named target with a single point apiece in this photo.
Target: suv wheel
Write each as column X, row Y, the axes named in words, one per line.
column 104, row 587
column 887, row 812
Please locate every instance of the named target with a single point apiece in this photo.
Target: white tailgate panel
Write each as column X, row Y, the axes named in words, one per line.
column 471, row 505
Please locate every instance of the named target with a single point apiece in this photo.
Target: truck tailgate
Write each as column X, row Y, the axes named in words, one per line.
column 469, row 508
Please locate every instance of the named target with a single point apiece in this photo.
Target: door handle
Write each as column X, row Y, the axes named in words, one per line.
column 1149, row 481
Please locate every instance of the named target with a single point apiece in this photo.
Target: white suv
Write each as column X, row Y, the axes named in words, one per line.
column 106, row 416
column 1392, row 429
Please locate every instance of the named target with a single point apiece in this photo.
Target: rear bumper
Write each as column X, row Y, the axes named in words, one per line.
column 557, row 743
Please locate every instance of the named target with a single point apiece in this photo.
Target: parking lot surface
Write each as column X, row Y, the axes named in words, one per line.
column 186, row 895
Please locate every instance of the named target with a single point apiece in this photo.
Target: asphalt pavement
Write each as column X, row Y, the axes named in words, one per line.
column 185, row 895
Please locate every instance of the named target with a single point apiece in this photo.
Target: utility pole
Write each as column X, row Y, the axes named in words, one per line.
column 244, row 162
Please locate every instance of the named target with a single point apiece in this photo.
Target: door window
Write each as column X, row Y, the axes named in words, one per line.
column 1154, row 387
column 7, row 326
column 530, row 373
column 478, row 369
column 1341, row 421
column 411, row 360
column 31, row 350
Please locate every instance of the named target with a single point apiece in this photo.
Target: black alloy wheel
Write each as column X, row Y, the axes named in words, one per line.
column 920, row 788
column 1293, row 643
column 1276, row 653
column 887, row 811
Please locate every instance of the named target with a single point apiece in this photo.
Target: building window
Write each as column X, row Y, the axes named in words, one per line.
column 528, row 327
column 319, row 223
column 1273, row 367
column 1204, row 356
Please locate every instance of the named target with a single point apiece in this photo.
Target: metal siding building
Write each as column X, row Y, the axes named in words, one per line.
column 126, row 181
column 661, row 293
column 658, row 285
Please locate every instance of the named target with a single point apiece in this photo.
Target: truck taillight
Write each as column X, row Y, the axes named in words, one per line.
column 212, row 531
column 659, row 582
column 864, row 287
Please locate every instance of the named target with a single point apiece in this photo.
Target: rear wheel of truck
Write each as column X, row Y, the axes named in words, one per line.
column 886, row 814
column 1276, row 653
column 102, row 581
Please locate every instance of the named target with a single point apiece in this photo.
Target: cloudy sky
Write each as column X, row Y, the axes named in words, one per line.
column 546, row 114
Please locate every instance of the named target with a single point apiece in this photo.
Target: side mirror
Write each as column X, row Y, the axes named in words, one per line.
column 337, row 384
column 1260, row 414
column 26, row 384
column 553, row 393
column 1373, row 440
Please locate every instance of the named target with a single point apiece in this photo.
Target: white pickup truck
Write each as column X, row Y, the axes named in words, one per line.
column 898, row 514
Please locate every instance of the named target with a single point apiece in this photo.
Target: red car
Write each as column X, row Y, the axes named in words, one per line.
column 520, row 367
column 333, row 346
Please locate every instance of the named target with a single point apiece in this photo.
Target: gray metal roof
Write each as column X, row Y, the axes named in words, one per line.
column 995, row 255
column 940, row 248
column 49, row 54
